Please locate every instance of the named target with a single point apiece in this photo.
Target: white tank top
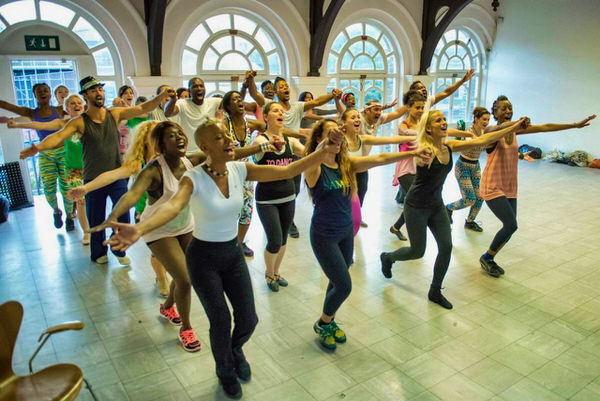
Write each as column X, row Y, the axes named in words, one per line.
column 182, row 223
column 357, row 152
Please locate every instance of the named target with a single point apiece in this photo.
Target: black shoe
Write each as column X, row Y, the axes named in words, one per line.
column 242, row 369
column 58, row 219
column 386, row 265
column 231, row 387
column 497, row 267
column 449, row 215
column 69, row 223
column 471, row 225
column 397, row 233
column 435, row 296
column 247, row 251
column 490, row 267
column 294, row 231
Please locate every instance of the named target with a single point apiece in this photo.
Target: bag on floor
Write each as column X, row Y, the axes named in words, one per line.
column 4, row 207
column 534, row 153
column 594, row 164
column 579, row 158
column 556, row 156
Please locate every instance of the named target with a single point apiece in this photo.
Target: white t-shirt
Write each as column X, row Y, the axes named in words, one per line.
column 216, row 216
column 191, row 115
column 293, row 116
column 429, row 103
column 370, row 129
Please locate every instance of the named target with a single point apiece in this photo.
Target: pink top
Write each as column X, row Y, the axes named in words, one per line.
column 500, row 175
column 406, row 166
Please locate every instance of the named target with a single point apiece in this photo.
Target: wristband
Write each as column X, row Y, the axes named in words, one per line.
column 265, row 146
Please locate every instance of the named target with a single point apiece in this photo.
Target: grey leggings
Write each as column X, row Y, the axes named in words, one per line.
column 506, row 211
column 417, row 221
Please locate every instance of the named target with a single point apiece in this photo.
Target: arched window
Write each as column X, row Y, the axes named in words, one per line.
column 455, row 53
column 91, row 33
column 223, row 47
column 364, row 60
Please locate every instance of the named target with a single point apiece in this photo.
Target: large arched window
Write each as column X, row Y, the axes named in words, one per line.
column 364, row 60
column 455, row 53
column 87, row 29
column 223, row 47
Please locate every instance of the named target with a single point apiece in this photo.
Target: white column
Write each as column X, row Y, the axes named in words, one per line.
column 315, row 85
column 426, row 79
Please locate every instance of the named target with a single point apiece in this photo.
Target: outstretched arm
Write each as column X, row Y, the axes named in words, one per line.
column 254, row 93
column 386, row 140
column 127, row 113
column 394, row 115
column 484, row 139
column 56, row 139
column 534, row 129
column 321, row 100
column 452, row 88
column 104, row 179
column 363, row 163
column 460, row 134
column 20, row 110
column 53, row 125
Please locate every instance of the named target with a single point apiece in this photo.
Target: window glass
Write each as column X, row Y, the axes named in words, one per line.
column 18, row 11
column 104, row 62
column 55, row 13
column 87, row 33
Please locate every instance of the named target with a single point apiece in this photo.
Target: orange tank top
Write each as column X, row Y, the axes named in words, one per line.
column 500, row 175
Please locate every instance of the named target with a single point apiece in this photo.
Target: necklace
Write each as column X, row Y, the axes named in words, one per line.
column 215, row 173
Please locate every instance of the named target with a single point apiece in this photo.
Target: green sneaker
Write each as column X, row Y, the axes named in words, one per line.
column 326, row 334
column 338, row 334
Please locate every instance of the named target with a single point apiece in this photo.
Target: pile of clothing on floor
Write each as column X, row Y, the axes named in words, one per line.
column 578, row 158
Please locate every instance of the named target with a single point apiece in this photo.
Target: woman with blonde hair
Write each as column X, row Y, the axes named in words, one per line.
column 424, row 207
column 332, row 183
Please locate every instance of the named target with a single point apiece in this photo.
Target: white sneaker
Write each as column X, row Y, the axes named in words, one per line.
column 102, row 260
column 124, row 260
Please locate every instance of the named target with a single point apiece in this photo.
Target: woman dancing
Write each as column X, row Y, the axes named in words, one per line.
column 216, row 265
column 424, row 207
column 332, row 185
column 500, row 176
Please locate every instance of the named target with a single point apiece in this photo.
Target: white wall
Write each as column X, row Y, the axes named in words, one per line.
column 546, row 60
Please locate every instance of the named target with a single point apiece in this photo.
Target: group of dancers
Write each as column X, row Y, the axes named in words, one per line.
column 195, row 161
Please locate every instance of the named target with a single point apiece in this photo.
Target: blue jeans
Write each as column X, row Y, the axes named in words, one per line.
column 95, row 203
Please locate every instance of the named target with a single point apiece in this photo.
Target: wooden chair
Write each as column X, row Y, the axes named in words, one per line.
column 57, row 382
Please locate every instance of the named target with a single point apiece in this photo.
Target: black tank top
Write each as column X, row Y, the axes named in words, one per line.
column 281, row 189
column 100, row 146
column 426, row 190
column 333, row 209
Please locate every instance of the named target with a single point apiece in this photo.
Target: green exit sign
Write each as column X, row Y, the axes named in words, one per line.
column 41, row 43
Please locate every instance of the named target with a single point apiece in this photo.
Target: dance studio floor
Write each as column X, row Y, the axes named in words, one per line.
column 532, row 335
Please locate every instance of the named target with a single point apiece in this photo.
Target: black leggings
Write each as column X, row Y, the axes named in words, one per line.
column 417, row 221
column 362, row 184
column 276, row 220
column 405, row 182
column 217, row 269
column 297, row 183
column 334, row 254
column 506, row 211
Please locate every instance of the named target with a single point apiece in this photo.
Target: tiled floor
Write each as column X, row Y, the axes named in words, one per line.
column 532, row 335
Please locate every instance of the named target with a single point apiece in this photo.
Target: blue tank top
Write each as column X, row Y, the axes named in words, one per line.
column 36, row 117
column 332, row 207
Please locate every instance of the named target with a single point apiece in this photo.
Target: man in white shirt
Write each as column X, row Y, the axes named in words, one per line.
column 158, row 113
column 433, row 99
column 192, row 111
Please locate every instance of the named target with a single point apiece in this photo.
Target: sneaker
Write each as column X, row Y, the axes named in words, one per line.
column 449, row 214
column 58, row 219
column 163, row 287
column 231, row 387
column 124, row 260
column 386, row 265
column 86, row 239
column 242, row 369
column 327, row 338
column 363, row 224
column 473, row 226
column 294, row 231
column 281, row 281
column 102, row 260
column 188, row 340
column 338, row 334
column 435, row 296
column 497, row 267
column 170, row 314
column 247, row 251
column 397, row 233
column 272, row 283
column 69, row 224
column 489, row 266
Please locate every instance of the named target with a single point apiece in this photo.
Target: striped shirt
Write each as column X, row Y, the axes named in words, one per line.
column 500, row 175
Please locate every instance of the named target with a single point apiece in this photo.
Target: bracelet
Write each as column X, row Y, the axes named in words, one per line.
column 265, row 146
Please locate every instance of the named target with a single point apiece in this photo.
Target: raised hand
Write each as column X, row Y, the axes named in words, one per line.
column 335, row 136
column 11, row 123
column 337, row 93
column 394, row 102
column 118, row 102
column 276, row 144
column 585, row 122
column 4, row 119
column 171, row 93
column 28, row 152
column 76, row 193
column 468, row 75
column 124, row 235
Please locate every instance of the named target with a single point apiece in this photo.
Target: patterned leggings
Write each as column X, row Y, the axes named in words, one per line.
column 52, row 167
column 468, row 176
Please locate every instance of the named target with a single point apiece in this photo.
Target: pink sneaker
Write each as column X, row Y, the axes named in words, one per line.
column 170, row 314
column 189, row 341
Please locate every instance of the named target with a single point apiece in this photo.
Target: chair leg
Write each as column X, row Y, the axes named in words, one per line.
column 89, row 387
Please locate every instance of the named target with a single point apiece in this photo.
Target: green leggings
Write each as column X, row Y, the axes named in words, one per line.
column 52, row 167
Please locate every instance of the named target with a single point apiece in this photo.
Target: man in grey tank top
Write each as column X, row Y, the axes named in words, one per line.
column 99, row 134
